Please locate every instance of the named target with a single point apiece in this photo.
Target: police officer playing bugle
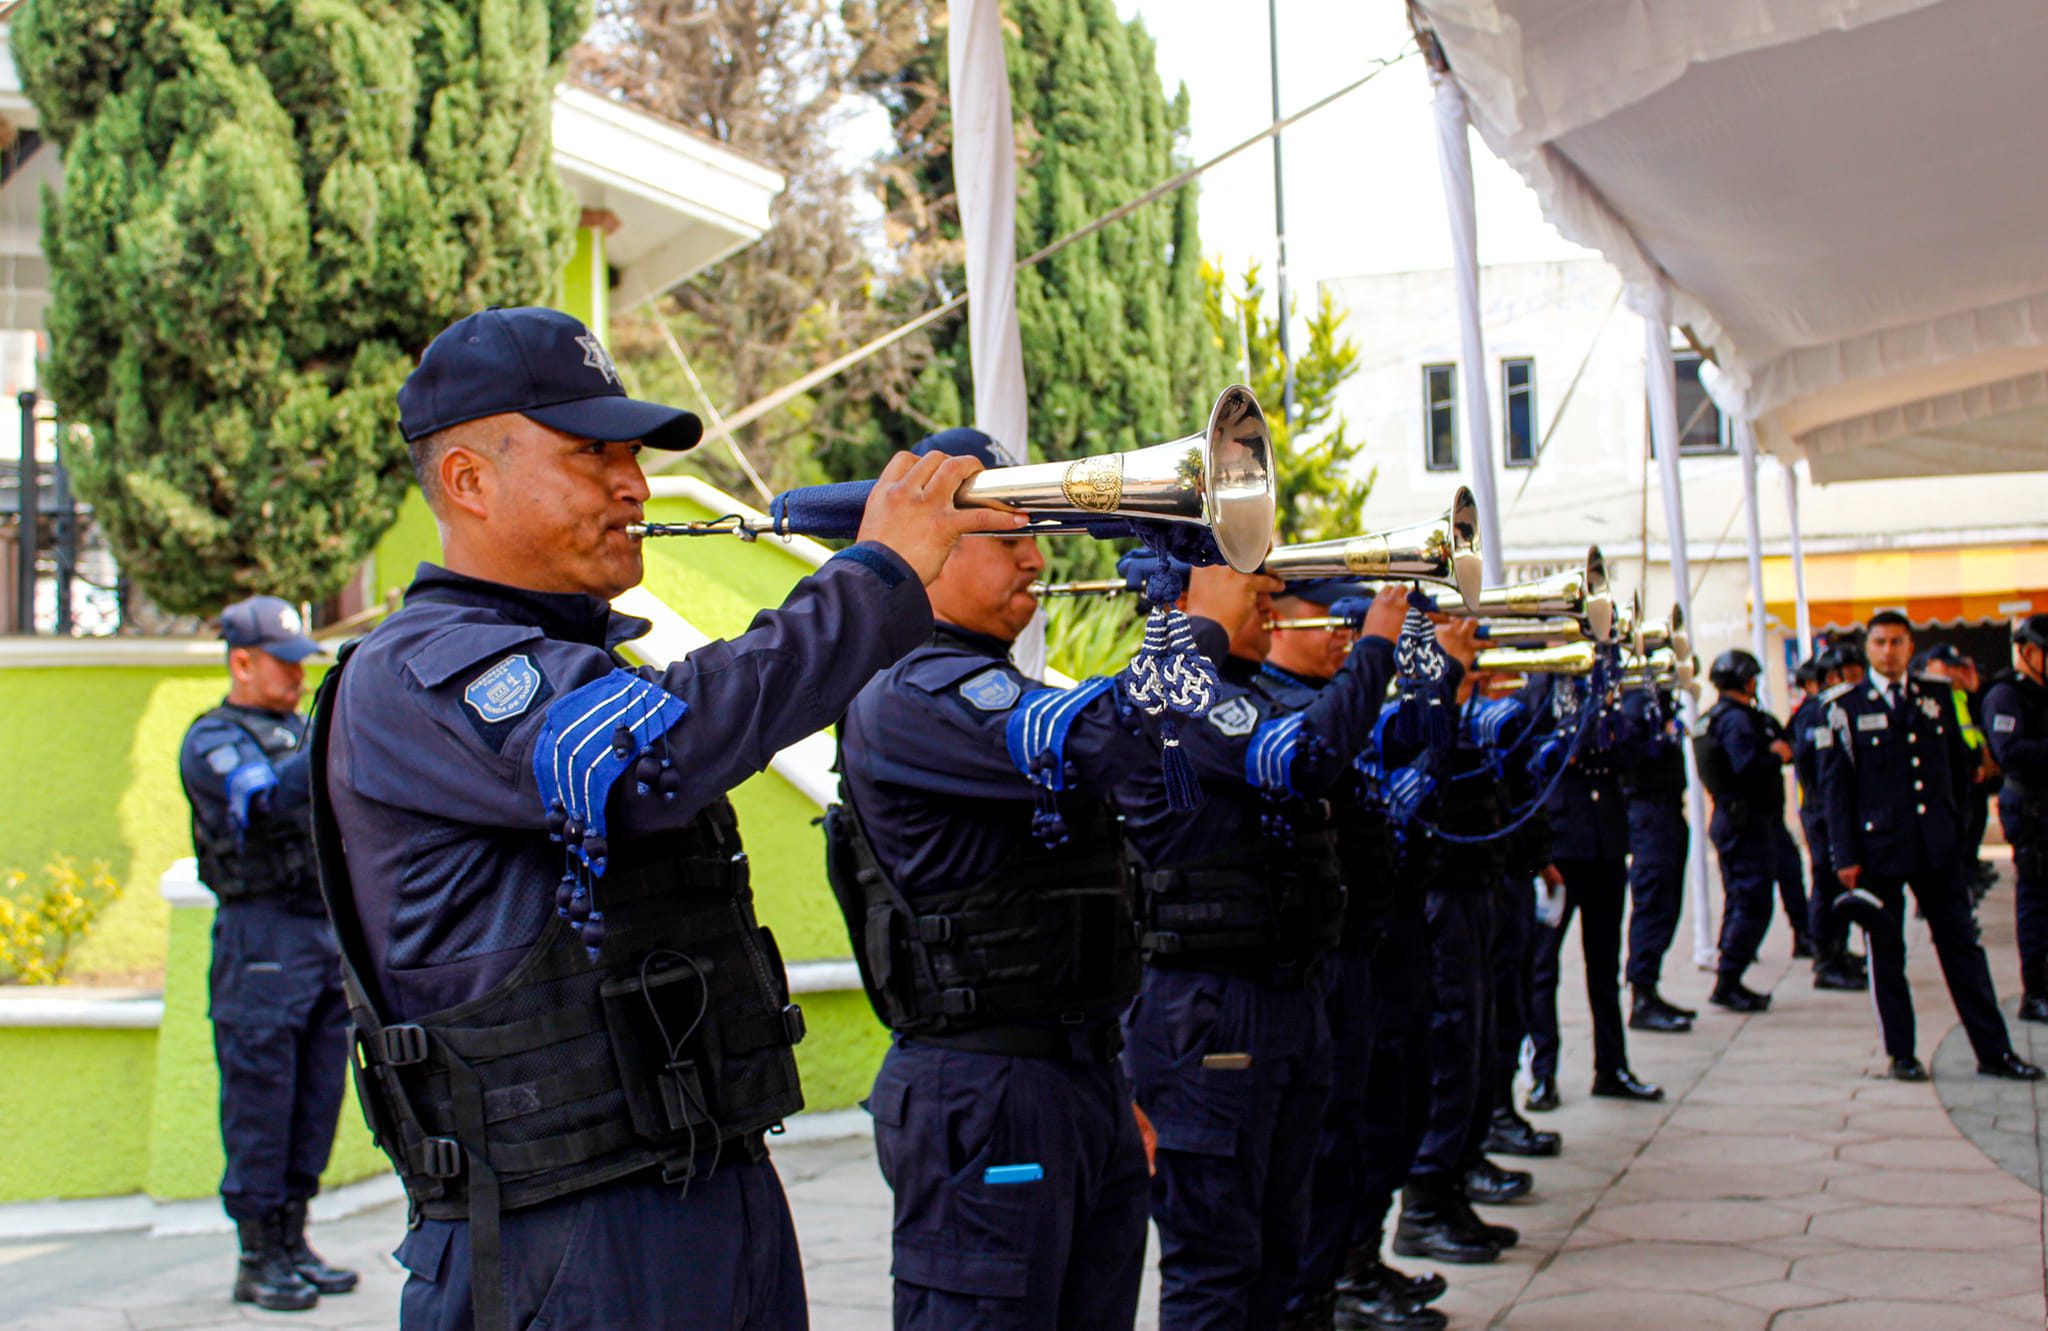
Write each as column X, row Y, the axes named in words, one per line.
column 978, row 862
column 280, row 1022
column 571, row 1031
column 2016, row 725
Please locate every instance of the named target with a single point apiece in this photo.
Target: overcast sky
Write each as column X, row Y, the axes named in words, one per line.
column 1363, row 193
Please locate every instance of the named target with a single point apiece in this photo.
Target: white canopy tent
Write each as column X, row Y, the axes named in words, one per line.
column 1838, row 201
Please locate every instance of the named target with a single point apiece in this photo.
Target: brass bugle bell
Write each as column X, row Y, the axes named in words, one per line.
column 1442, row 551
column 1559, row 632
column 1575, row 658
column 1221, row 477
column 1581, row 594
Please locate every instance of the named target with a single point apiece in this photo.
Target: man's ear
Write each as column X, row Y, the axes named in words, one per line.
column 238, row 664
column 466, row 476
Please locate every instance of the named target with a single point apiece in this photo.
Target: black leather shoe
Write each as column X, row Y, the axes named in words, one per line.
column 265, row 1276
column 1648, row 1013
column 1907, row 1069
column 1839, row 975
column 1623, row 1085
column 1542, row 1096
column 312, row 1268
column 1437, row 1224
column 2011, row 1067
column 1500, row 1236
column 2034, row 1008
column 1364, row 1273
column 1508, row 1133
column 1802, row 948
column 1490, row 1185
column 1734, row 995
column 1385, row 1309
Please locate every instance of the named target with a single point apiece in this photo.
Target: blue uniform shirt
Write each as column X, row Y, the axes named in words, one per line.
column 230, row 779
column 1893, row 778
column 924, row 755
column 1336, row 725
column 429, row 762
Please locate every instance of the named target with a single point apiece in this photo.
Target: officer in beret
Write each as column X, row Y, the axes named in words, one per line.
column 1894, row 777
column 2016, row 727
column 1659, row 838
column 977, row 859
column 279, row 1020
column 573, row 1033
column 1226, row 1042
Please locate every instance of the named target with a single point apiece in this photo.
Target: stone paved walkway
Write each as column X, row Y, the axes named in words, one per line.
column 1782, row 1187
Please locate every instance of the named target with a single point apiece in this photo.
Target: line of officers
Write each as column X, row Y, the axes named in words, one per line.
column 1894, row 780
column 1254, row 1019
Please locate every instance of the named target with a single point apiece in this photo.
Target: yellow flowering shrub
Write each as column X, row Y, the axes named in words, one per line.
column 40, row 922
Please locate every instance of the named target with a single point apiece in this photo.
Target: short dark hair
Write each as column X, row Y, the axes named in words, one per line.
column 427, row 450
column 1896, row 618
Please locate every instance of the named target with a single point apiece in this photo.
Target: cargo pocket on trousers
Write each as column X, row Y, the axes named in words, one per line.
column 981, row 1275
column 423, row 1250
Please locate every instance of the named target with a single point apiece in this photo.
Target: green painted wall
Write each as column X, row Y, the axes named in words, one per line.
column 74, row 1112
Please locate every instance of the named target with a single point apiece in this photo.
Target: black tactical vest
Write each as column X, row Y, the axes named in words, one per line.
column 671, row 1050
column 1263, row 908
column 1366, row 854
column 274, row 856
column 1046, row 942
column 1469, row 805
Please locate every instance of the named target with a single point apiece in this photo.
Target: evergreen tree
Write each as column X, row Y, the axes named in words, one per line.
column 1117, row 352
column 1321, row 492
column 268, row 210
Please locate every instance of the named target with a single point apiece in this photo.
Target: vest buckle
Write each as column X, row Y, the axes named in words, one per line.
column 403, row 1045
column 959, row 1002
column 793, row 1023
column 440, row 1157
column 1160, row 943
column 935, row 928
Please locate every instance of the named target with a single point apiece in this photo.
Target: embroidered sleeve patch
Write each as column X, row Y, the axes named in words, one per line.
column 992, row 690
column 2004, row 725
column 224, row 759
column 504, row 691
column 1235, row 717
column 1823, row 739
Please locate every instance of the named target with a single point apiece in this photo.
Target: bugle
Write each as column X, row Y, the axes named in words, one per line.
column 1576, row 658
column 1220, row 478
column 1445, row 550
column 1581, row 594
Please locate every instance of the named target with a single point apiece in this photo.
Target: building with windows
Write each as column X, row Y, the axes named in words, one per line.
column 1569, row 443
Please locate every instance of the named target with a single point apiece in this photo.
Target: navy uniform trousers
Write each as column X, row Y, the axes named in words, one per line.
column 1459, row 1040
column 1377, row 997
column 1596, row 890
column 1236, row 1138
column 1513, row 953
column 280, row 1037
column 602, row 1257
column 1943, row 900
column 1790, row 871
column 1749, row 868
column 1824, row 924
column 1659, row 839
column 979, row 1240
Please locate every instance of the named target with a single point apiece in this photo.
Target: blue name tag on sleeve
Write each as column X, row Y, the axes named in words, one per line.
column 1012, row 1174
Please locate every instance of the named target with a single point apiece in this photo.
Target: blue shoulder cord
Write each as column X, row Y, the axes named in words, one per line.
column 1036, row 736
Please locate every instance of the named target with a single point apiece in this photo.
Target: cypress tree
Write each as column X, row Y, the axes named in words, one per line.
column 269, row 209
column 1117, row 351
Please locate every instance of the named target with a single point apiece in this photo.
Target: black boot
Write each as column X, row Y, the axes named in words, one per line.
column 2034, row 991
column 1648, row 1012
column 1364, row 1273
column 1500, row 1236
column 312, row 1268
column 1837, row 969
column 1384, row 1308
column 1510, row 1134
column 1731, row 993
column 1802, row 947
column 1437, row 1224
column 265, row 1276
column 1542, row 1095
column 1314, row 1317
column 1488, row 1183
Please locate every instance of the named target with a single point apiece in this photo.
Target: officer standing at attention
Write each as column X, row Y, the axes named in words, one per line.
column 280, row 1023
column 2016, row 726
column 979, row 864
column 1741, row 763
column 573, row 1032
column 1834, row 966
column 1894, row 778
column 1659, row 838
column 1226, row 1042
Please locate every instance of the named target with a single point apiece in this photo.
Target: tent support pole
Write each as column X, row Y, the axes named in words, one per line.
column 1805, row 611
column 1454, row 160
column 1759, row 637
column 1662, row 375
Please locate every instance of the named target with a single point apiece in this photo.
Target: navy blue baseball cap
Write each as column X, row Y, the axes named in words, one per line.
column 542, row 364
column 1322, row 591
column 267, row 624
column 960, row 442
